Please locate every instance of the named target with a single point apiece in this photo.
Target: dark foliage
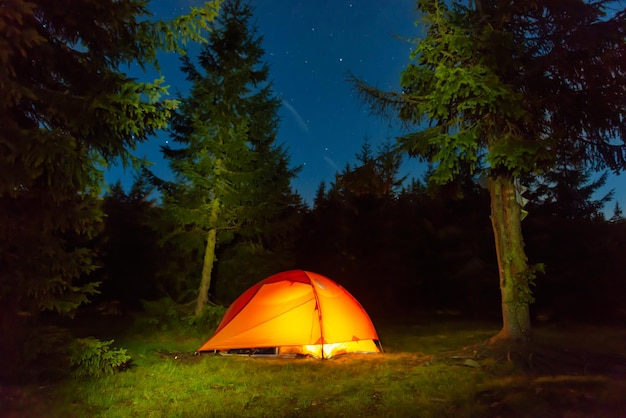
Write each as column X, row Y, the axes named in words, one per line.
column 429, row 249
column 426, row 249
column 66, row 110
column 128, row 247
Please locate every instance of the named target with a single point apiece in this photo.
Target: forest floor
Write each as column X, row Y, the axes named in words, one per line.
column 438, row 368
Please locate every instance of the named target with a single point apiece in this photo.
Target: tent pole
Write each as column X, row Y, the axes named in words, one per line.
column 319, row 313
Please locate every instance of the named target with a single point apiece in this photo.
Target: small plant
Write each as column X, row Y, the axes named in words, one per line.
column 90, row 357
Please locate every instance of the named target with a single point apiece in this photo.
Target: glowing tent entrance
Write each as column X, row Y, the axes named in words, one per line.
column 295, row 313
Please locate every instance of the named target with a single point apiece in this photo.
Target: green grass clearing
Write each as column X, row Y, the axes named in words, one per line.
column 420, row 375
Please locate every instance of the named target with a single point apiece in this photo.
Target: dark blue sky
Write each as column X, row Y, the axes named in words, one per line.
column 311, row 45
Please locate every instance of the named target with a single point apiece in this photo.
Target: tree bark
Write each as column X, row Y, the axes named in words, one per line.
column 209, row 259
column 513, row 265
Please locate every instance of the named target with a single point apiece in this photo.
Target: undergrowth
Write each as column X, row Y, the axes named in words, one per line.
column 90, row 357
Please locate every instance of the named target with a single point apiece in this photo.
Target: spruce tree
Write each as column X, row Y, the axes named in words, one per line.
column 375, row 175
column 567, row 193
column 231, row 179
column 513, row 86
column 618, row 213
column 67, row 109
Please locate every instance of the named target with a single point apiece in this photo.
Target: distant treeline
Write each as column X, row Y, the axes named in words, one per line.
column 402, row 250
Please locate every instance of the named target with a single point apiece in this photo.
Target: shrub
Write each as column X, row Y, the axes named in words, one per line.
column 90, row 357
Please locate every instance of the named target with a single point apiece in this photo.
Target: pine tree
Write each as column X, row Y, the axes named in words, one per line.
column 320, row 195
column 66, row 110
column 512, row 86
column 618, row 213
column 231, row 179
column 374, row 175
column 389, row 161
column 568, row 193
column 127, row 246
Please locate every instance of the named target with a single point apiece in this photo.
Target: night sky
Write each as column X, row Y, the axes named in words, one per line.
column 311, row 46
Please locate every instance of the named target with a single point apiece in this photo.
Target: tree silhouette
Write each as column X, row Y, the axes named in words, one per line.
column 127, row 246
column 567, row 193
column 618, row 213
column 375, row 175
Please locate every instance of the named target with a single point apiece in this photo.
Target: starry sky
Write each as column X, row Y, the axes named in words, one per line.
column 311, row 46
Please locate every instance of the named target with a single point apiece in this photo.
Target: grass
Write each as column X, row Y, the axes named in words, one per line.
column 423, row 373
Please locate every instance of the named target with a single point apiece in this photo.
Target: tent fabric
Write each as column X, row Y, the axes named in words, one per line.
column 296, row 312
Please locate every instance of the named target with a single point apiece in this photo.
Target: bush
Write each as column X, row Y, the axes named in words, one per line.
column 50, row 353
column 90, row 357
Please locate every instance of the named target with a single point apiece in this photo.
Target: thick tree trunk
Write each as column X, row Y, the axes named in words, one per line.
column 512, row 261
column 209, row 259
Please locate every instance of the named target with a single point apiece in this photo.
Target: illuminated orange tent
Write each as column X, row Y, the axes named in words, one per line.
column 295, row 313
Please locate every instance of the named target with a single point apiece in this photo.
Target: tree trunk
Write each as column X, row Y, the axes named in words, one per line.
column 512, row 261
column 209, row 259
